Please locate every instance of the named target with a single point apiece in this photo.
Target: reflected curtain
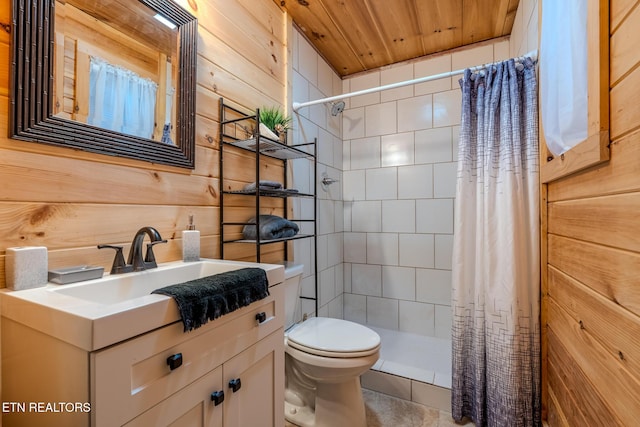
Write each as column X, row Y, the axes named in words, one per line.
column 120, row 100
column 496, row 264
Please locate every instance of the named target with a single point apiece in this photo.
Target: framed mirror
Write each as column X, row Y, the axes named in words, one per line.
column 63, row 51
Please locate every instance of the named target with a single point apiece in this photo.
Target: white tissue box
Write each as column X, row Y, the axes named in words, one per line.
column 26, row 267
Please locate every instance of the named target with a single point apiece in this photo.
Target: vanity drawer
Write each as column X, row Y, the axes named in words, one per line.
column 130, row 377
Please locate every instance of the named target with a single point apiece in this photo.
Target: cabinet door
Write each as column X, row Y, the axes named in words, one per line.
column 259, row 400
column 190, row 407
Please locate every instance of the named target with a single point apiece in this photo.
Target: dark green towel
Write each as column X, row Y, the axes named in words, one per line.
column 210, row 297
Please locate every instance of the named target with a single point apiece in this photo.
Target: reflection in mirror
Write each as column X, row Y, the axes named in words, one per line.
column 112, row 76
column 118, row 67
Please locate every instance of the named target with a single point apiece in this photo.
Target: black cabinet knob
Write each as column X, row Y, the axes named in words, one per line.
column 174, row 361
column 261, row 317
column 235, row 384
column 217, row 397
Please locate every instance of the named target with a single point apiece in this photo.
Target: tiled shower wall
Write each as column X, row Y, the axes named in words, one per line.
column 313, row 79
column 400, row 152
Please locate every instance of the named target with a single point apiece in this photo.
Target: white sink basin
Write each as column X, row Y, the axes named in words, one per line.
column 97, row 313
column 124, row 287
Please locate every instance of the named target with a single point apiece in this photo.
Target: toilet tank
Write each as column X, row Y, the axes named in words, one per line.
column 292, row 285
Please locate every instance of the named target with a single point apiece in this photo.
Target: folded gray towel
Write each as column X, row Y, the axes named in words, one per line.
column 271, row 227
column 265, row 185
column 210, row 297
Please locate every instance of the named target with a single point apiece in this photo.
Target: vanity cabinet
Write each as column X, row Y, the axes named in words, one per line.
column 162, row 377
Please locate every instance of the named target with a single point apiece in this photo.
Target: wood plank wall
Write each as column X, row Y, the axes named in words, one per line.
column 71, row 201
column 593, row 270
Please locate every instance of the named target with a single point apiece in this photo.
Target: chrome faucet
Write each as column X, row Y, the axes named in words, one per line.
column 136, row 262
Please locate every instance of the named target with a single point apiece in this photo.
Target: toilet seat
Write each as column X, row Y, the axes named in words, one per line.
column 330, row 337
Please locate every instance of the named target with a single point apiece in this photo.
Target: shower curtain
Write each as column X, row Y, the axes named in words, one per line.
column 496, row 274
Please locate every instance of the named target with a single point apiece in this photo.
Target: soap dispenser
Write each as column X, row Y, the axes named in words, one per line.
column 191, row 242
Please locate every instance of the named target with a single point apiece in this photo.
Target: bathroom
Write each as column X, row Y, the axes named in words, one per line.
column 372, row 265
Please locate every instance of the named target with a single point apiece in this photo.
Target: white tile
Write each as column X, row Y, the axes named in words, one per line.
column 323, row 254
column 336, row 307
column 382, row 248
column 398, row 216
column 395, row 74
column 308, row 287
column 471, row 57
column 443, row 321
column 335, row 246
column 327, row 286
column 388, row 384
column 317, row 113
column 415, row 182
column 366, row 216
column 355, row 308
column 398, row 149
column 346, row 155
column 501, row 50
column 430, row 395
column 361, row 82
column 325, row 78
column 434, row 216
column 346, row 277
column 433, row 286
column 302, row 254
column 301, row 171
column 325, row 216
column 405, row 371
column 416, row 250
column 346, row 215
column 380, row 119
column 433, row 145
column 381, row 184
column 339, row 216
column 300, row 90
column 354, row 185
column 295, row 49
column 308, row 61
column 415, row 113
column 431, row 67
column 417, row 318
column 382, row 312
column 355, row 247
column 447, row 108
column 325, row 147
column 353, row 123
column 365, row 153
column 366, row 279
column 323, row 311
column 444, row 249
column 532, row 30
column 399, row 283
column 339, row 269
column 455, row 138
column 337, row 154
column 444, row 179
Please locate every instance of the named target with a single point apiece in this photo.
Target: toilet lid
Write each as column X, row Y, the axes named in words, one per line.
column 334, row 335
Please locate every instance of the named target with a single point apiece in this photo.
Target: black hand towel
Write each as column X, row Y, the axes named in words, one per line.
column 210, row 297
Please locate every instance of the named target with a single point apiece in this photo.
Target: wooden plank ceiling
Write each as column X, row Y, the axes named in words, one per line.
column 360, row 35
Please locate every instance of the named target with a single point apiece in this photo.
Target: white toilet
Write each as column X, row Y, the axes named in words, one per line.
column 324, row 359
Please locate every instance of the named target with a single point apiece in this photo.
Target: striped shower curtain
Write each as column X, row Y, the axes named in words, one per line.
column 496, row 261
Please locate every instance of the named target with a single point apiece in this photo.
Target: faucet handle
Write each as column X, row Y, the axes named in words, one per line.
column 119, row 266
column 150, row 258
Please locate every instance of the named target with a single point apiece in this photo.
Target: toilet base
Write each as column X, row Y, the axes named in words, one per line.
column 338, row 404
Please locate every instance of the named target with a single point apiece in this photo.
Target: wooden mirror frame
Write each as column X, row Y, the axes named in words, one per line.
column 31, row 89
column 595, row 148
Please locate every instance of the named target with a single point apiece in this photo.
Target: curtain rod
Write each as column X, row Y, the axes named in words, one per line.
column 297, row 105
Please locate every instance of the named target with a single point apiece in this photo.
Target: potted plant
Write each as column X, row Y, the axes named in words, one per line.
column 275, row 120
